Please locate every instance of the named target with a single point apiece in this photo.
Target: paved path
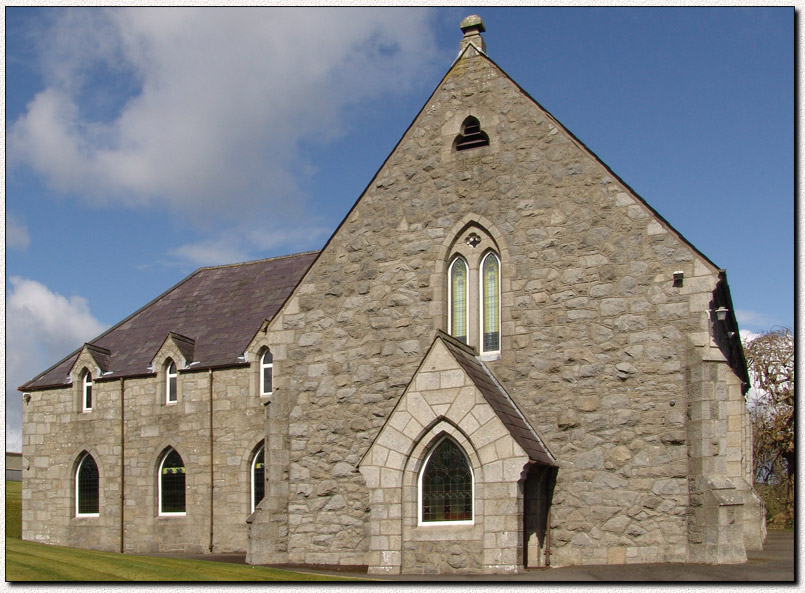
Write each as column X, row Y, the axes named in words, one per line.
column 774, row 563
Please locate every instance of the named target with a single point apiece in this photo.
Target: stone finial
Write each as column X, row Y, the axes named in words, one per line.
column 472, row 26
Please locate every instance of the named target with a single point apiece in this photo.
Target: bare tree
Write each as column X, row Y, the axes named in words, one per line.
column 770, row 358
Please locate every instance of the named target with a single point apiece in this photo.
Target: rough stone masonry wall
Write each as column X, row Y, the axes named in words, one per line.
column 594, row 333
column 55, row 432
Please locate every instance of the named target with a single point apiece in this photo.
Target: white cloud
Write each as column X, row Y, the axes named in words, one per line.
column 242, row 242
column 16, row 233
column 754, row 320
column 41, row 328
column 203, row 109
column 209, row 252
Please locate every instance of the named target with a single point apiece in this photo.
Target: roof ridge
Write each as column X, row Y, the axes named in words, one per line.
column 443, row 335
column 258, row 261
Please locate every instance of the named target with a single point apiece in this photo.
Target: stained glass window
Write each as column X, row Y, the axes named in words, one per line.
column 458, row 300
column 267, row 373
column 171, row 383
column 258, row 477
column 490, row 272
column 172, row 483
column 447, row 485
column 86, row 487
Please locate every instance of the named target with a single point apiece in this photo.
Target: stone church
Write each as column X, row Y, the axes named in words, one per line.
column 502, row 358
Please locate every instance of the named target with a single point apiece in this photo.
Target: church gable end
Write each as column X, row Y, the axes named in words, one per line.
column 579, row 403
column 594, row 331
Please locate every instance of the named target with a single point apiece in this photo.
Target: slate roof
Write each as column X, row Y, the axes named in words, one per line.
column 219, row 309
column 500, row 401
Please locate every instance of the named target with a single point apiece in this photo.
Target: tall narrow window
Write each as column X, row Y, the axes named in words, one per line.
column 172, row 484
column 171, row 394
column 86, row 487
column 266, row 373
column 86, row 391
column 258, row 477
column 490, row 302
column 446, row 485
column 458, row 300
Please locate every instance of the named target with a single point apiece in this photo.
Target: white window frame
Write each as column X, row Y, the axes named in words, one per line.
column 419, row 521
column 159, row 486
column 77, row 472
column 253, row 466
column 263, row 366
column 168, row 376
column 86, row 382
column 481, row 308
column 466, row 297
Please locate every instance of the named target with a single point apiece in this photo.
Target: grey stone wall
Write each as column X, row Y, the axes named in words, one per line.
column 595, row 334
column 55, row 432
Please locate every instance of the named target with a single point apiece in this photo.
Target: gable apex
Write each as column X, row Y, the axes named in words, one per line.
column 175, row 342
column 464, row 360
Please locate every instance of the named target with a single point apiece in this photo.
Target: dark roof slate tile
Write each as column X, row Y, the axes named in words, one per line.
column 220, row 308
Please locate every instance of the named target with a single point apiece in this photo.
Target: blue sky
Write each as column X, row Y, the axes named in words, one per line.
column 144, row 143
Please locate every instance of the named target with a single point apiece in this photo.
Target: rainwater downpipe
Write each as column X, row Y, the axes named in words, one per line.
column 122, row 464
column 212, row 467
column 548, row 539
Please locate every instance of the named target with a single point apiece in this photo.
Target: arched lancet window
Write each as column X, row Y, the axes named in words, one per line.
column 258, row 476
column 266, row 373
column 171, row 388
column 446, row 485
column 458, row 295
column 86, row 391
column 171, row 484
column 87, row 487
column 490, row 303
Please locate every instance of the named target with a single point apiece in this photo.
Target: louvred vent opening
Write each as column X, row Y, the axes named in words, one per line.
column 472, row 136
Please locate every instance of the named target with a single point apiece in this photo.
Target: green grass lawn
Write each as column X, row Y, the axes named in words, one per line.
column 28, row 561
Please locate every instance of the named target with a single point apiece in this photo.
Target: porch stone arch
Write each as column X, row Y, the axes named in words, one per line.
column 416, row 458
column 440, row 400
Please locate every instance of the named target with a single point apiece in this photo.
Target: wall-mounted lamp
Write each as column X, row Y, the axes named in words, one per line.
column 26, row 397
column 679, row 276
column 721, row 313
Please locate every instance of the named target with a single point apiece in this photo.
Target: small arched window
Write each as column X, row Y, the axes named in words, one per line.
column 266, row 373
column 86, row 391
column 258, row 476
column 171, row 484
column 171, row 387
column 490, row 303
column 458, row 295
column 86, row 487
column 446, row 485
